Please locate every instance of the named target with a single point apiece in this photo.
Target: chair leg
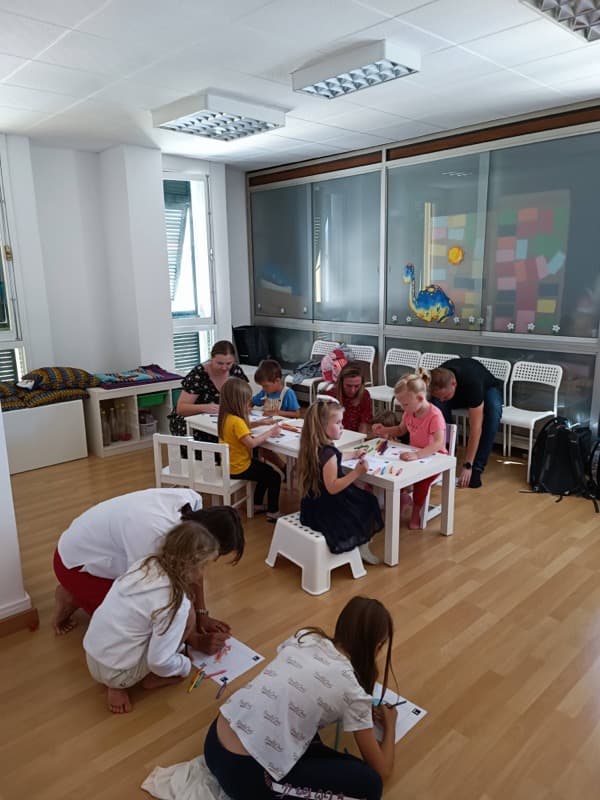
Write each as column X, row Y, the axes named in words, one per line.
column 529, row 452
column 249, row 501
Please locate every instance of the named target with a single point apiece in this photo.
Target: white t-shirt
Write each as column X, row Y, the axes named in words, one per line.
column 309, row 685
column 108, row 538
column 122, row 630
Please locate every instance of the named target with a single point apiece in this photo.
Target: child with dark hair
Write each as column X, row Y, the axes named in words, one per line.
column 274, row 398
column 136, row 634
column 265, row 741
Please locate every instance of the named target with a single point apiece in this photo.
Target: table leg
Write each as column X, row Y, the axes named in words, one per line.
column 392, row 525
column 448, row 492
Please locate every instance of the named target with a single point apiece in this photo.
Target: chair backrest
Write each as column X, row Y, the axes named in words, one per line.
column 451, row 436
column 202, row 474
column 534, row 372
column 433, row 360
column 365, row 353
column 396, row 357
column 500, row 368
column 321, row 347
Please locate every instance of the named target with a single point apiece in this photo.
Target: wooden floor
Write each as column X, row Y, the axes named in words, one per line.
column 497, row 636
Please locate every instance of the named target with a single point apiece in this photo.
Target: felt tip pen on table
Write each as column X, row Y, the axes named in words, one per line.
column 196, row 680
column 214, row 674
column 222, row 688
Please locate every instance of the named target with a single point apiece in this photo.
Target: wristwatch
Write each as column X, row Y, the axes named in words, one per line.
column 202, row 611
column 467, row 465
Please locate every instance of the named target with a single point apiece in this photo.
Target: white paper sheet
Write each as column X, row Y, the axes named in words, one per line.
column 408, row 713
column 235, row 658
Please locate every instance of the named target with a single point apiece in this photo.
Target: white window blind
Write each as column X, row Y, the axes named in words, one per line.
column 8, row 365
column 187, row 351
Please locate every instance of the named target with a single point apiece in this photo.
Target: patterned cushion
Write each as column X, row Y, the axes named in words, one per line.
column 60, row 378
column 44, row 397
column 12, row 403
column 7, row 389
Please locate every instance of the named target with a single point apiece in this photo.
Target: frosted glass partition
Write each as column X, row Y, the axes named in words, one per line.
column 281, row 240
column 542, row 240
column 291, row 347
column 346, row 222
column 436, row 222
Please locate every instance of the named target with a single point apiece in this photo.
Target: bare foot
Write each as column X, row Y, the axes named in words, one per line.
column 415, row 520
column 64, row 607
column 153, row 681
column 118, row 701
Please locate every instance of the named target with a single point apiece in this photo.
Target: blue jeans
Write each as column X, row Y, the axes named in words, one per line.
column 320, row 769
column 492, row 413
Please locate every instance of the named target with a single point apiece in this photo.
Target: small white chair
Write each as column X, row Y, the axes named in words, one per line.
column 308, row 549
column 429, row 511
column 516, row 417
column 433, row 360
column 201, row 474
column 395, row 357
column 319, row 348
column 500, row 369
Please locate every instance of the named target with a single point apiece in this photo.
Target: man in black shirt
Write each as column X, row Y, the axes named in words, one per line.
column 466, row 383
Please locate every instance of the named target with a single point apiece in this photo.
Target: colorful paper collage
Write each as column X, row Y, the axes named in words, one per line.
column 529, row 251
column 461, row 282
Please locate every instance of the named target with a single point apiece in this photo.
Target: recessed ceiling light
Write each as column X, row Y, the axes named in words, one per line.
column 217, row 116
column 356, row 68
column 578, row 16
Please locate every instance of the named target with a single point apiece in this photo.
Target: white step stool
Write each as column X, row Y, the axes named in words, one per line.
column 308, row 549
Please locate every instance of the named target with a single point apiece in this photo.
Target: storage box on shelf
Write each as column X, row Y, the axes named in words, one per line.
column 140, row 411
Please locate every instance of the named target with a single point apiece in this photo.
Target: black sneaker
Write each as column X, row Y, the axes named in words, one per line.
column 475, row 482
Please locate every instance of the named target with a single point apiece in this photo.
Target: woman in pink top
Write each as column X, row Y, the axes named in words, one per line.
column 426, row 430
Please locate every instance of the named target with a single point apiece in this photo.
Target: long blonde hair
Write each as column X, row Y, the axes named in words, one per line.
column 313, row 438
column 235, row 398
column 184, row 547
column 416, row 383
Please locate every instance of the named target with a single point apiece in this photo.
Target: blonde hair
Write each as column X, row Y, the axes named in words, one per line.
column 235, row 397
column 186, row 545
column 416, row 383
column 313, row 438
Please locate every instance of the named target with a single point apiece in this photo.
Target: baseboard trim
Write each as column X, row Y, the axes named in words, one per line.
column 26, row 619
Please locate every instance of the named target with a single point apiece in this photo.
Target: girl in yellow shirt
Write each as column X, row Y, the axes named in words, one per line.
column 234, row 430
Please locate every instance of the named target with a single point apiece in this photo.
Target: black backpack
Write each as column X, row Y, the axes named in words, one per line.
column 594, row 469
column 560, row 458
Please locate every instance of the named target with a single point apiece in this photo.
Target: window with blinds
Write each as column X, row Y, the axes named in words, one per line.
column 8, row 366
column 191, row 348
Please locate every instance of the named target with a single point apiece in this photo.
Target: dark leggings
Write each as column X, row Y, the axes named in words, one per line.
column 320, row 769
column 267, row 480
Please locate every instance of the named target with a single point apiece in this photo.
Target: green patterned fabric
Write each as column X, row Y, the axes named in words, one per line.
column 60, row 378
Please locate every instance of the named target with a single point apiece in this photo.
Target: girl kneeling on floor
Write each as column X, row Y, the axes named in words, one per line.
column 135, row 634
column 265, row 742
column 346, row 515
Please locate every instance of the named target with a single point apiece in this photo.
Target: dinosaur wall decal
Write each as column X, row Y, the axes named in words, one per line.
column 432, row 304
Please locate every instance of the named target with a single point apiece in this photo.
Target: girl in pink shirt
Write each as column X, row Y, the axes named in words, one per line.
column 426, row 429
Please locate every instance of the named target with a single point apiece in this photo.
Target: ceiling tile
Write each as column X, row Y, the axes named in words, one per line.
column 32, row 100
column 364, row 119
column 20, row 36
column 450, row 66
column 60, row 12
column 564, row 66
column 8, row 64
column 397, row 31
column 526, row 43
column 53, row 78
column 469, row 19
column 18, row 120
column 406, row 130
column 94, row 54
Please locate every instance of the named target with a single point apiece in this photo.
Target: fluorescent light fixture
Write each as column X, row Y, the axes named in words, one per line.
column 578, row 16
column 356, row 68
column 217, row 116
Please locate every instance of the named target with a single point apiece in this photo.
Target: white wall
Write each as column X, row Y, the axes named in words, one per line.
column 13, row 597
column 237, row 227
column 69, row 213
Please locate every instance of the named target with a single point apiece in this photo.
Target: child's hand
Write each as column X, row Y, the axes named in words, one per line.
column 378, row 429
column 274, row 431
column 360, row 453
column 410, row 456
column 362, row 466
column 269, row 412
column 388, row 717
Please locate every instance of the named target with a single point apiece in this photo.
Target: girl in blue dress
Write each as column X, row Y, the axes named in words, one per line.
column 346, row 515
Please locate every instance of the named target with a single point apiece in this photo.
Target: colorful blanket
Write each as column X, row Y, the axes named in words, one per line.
column 134, row 377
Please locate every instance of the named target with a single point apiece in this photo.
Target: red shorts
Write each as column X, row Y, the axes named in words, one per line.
column 87, row 590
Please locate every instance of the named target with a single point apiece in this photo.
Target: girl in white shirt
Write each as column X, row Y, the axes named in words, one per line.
column 135, row 634
column 265, row 741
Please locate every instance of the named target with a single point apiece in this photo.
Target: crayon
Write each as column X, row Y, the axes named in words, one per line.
column 214, row 674
column 222, row 688
column 193, row 684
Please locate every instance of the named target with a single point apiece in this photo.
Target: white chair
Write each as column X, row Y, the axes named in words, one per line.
column 360, row 352
column 308, row 549
column 202, row 474
column 395, row 357
column 433, row 360
column 500, row 369
column 429, row 510
column 320, row 348
column 529, row 372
